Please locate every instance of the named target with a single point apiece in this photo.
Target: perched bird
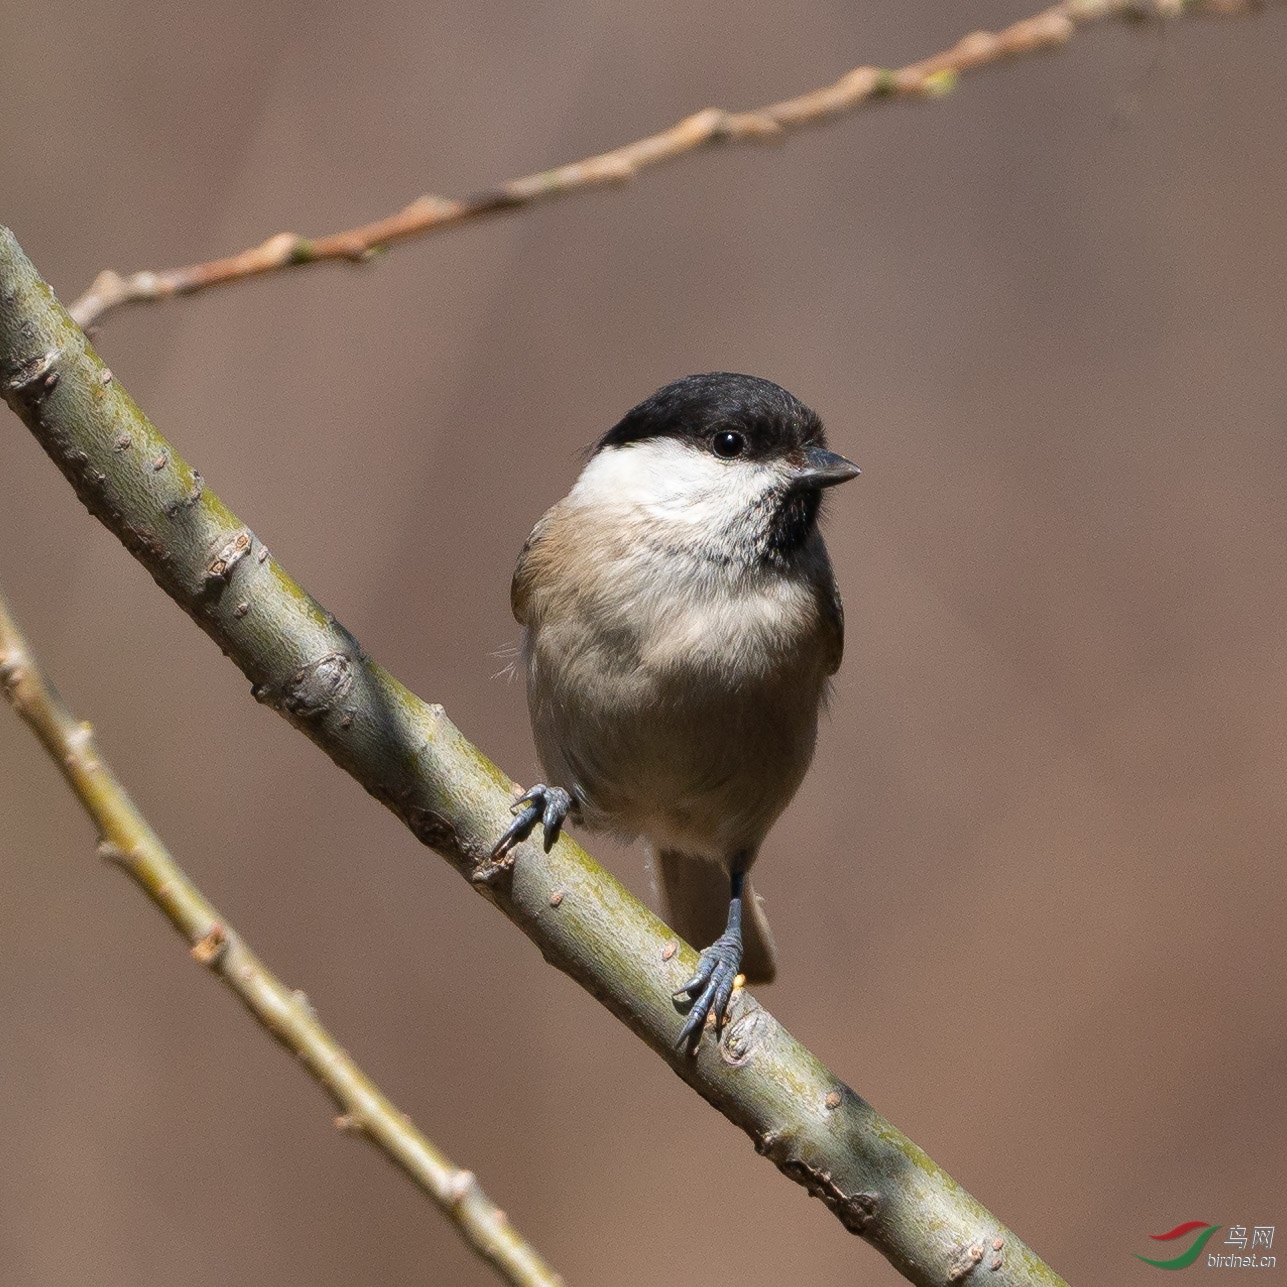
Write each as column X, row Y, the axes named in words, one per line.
column 681, row 625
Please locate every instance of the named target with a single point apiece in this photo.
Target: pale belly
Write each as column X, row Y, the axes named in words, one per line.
column 697, row 745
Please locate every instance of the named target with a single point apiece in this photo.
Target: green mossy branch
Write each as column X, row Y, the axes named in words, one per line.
column 408, row 754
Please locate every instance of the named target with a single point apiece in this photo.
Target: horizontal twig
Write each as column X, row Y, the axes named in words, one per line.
column 126, row 839
column 929, row 78
column 302, row 663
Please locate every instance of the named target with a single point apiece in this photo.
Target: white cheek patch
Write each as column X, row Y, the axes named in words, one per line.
column 671, row 479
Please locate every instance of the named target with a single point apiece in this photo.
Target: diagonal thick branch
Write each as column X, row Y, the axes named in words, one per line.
column 302, row 663
column 126, row 839
column 931, row 77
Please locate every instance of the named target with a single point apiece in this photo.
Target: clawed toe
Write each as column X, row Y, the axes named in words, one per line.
column 549, row 806
column 710, row 989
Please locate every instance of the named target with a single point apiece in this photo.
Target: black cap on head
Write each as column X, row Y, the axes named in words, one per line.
column 696, row 408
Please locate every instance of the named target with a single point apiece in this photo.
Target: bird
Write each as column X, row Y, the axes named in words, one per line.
column 681, row 625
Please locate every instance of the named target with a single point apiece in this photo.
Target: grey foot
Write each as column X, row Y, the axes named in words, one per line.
column 711, row 987
column 549, row 806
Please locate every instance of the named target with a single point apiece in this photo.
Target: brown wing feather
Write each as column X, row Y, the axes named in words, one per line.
column 520, row 588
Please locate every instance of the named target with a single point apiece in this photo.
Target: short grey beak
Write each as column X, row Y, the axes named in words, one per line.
column 825, row 469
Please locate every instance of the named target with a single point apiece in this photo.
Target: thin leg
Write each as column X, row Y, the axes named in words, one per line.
column 549, row 806
column 711, row 987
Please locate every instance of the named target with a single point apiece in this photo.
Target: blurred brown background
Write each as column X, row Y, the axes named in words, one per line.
column 1030, row 901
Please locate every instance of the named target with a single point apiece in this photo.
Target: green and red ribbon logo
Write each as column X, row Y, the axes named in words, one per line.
column 1185, row 1258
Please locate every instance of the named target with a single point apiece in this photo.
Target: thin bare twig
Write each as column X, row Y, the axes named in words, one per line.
column 126, row 839
column 931, row 77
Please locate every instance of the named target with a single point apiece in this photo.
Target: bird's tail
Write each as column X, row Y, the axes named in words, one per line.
column 693, row 895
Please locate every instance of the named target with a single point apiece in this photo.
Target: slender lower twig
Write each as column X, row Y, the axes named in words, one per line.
column 302, row 663
column 126, row 839
column 929, row 78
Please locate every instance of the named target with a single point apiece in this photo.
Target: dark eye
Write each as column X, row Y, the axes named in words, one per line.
column 728, row 444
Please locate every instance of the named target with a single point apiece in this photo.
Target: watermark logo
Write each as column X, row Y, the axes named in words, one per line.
column 1191, row 1253
column 1250, row 1254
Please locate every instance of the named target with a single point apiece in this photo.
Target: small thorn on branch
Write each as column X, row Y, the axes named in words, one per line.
column 113, row 854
